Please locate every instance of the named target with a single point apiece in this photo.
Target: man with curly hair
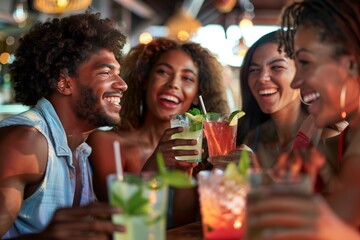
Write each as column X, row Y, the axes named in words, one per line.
column 67, row 70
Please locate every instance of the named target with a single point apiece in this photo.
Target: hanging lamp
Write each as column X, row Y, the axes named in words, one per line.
column 60, row 6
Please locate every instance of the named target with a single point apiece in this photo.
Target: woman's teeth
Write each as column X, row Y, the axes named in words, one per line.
column 308, row 98
column 267, row 91
column 169, row 98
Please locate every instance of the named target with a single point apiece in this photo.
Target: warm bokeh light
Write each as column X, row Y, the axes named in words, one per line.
column 183, row 35
column 62, row 3
column 145, row 38
column 4, row 58
column 245, row 23
column 237, row 224
column 60, row 6
column 10, row 40
column 182, row 22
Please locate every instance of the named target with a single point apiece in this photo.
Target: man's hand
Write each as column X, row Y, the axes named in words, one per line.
column 92, row 221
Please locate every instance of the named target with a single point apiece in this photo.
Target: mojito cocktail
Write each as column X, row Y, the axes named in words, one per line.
column 192, row 130
column 143, row 201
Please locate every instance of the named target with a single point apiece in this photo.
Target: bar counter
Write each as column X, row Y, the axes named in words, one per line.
column 192, row 231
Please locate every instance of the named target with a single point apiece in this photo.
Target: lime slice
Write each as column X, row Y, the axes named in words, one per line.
column 234, row 116
column 232, row 173
column 196, row 118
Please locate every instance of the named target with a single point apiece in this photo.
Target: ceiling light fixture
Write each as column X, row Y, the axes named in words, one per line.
column 182, row 25
column 20, row 13
column 60, row 6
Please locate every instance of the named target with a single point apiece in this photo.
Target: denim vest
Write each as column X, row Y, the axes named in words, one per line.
column 58, row 186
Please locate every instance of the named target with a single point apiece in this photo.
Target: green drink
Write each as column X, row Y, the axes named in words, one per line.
column 192, row 130
column 143, row 201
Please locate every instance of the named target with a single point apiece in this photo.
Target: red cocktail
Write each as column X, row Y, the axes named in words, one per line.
column 220, row 135
column 222, row 202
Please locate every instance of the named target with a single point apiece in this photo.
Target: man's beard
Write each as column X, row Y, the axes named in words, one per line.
column 88, row 108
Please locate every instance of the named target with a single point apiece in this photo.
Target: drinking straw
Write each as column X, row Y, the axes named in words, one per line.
column 217, row 145
column 317, row 137
column 202, row 104
column 119, row 170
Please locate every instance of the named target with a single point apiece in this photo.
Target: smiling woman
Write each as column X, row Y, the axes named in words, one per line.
column 325, row 45
column 273, row 109
column 164, row 77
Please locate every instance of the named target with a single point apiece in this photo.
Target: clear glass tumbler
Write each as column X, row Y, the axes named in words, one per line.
column 192, row 130
column 220, row 136
column 222, row 202
column 264, row 184
column 143, row 200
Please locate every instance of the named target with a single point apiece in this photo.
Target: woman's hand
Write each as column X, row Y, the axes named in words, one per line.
column 234, row 156
column 166, row 145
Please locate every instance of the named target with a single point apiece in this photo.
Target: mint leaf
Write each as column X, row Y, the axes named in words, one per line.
column 178, row 179
column 117, row 200
column 155, row 219
column 195, row 111
column 174, row 178
column 137, row 204
column 161, row 163
column 195, row 126
column 244, row 163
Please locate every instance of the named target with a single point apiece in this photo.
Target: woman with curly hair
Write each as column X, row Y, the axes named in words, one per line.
column 164, row 77
column 67, row 71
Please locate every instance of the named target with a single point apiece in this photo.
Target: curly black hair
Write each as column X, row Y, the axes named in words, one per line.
column 337, row 22
column 139, row 61
column 57, row 45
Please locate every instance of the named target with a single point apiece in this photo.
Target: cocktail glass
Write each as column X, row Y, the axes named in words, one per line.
column 221, row 137
column 264, row 184
column 143, row 200
column 192, row 130
column 222, row 202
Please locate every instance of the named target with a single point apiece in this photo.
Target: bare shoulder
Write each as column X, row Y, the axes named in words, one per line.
column 23, row 151
column 101, row 143
column 98, row 136
column 23, row 161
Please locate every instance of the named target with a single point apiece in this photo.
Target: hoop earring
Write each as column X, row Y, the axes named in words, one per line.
column 342, row 101
column 303, row 101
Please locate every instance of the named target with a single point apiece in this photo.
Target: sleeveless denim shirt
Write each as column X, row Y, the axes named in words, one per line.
column 58, row 186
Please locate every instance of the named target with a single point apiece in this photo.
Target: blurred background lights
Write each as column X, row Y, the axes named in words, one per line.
column 10, row 40
column 7, row 77
column 62, row 3
column 183, row 35
column 145, row 38
column 20, row 13
column 4, row 58
column 245, row 23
